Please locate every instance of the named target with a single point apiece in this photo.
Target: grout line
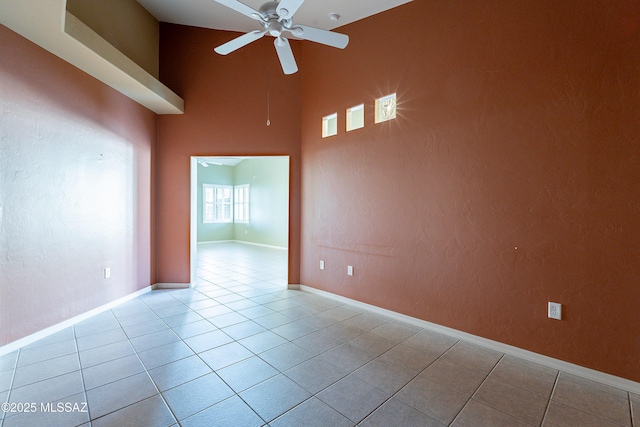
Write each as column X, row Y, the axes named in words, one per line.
column 214, row 371
column 411, row 379
column 84, row 386
column 13, row 377
column 553, row 390
column 478, row 389
column 633, row 421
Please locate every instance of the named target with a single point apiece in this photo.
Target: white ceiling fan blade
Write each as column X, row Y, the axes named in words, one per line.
column 241, row 7
column 288, row 62
column 286, row 8
column 317, row 35
column 239, row 42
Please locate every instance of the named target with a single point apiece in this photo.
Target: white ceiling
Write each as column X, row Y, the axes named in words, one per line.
column 210, row 14
column 221, row 161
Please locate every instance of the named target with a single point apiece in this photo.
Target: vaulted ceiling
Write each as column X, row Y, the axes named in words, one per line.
column 210, row 14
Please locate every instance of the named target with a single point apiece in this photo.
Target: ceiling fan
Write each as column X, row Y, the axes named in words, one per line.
column 276, row 19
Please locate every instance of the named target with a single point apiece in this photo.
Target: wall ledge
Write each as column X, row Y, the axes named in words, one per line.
column 48, row 24
column 561, row 365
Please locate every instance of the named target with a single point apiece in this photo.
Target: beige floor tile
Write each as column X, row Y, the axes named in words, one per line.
column 409, row 358
column 524, row 405
column 476, row 414
column 431, row 342
column 353, row 398
column 312, row 413
column 473, row 356
column 348, row 357
column 396, row 331
column 395, row 413
column 274, row 397
column 456, row 377
column 373, row 343
column 525, row 375
column 593, row 400
column 559, row 415
column 384, row 375
column 435, row 400
column 635, row 409
column 602, row 387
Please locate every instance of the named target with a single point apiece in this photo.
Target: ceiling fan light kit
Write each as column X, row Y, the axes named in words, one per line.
column 276, row 19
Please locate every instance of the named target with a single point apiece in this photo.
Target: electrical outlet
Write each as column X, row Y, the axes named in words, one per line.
column 107, row 273
column 349, row 270
column 555, row 311
column 321, row 265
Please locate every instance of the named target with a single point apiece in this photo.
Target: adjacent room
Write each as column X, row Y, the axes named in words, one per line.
column 374, row 212
column 240, row 215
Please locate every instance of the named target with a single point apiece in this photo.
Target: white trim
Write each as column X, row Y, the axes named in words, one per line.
column 284, row 248
column 581, row 371
column 193, row 221
column 293, row 287
column 30, row 339
column 171, row 285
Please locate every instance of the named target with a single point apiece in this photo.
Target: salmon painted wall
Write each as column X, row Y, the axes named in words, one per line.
column 75, row 190
column 225, row 114
column 509, row 178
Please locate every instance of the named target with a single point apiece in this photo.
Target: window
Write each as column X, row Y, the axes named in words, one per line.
column 217, row 203
column 330, row 125
column 386, row 108
column 225, row 203
column 241, row 203
column 355, row 117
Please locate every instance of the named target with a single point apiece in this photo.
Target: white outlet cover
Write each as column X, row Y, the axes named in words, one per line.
column 555, row 311
column 321, row 265
column 107, row 273
column 350, row 270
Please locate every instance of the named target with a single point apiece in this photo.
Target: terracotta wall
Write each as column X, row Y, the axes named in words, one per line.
column 509, row 179
column 75, row 191
column 225, row 114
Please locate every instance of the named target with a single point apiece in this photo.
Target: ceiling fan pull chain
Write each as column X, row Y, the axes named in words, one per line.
column 268, row 92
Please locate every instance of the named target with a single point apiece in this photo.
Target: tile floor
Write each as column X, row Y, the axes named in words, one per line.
column 242, row 350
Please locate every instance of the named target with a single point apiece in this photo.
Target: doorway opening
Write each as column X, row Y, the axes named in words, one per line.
column 240, row 221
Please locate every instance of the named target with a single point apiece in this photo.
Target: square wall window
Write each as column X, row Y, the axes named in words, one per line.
column 355, row 117
column 386, row 108
column 330, row 125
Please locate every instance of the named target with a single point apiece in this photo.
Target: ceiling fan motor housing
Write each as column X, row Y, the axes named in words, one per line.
column 268, row 11
column 276, row 18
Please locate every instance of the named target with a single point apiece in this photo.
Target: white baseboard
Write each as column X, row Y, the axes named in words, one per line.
column 284, row 248
column 30, row 339
column 561, row 365
column 293, row 287
column 171, row 285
